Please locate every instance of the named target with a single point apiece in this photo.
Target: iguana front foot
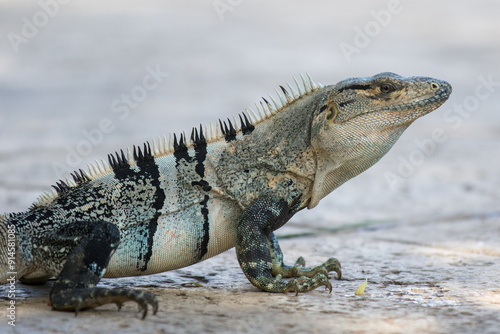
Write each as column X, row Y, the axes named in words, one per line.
column 299, row 269
column 299, row 284
column 304, row 283
column 87, row 298
column 260, row 256
column 307, row 279
column 332, row 264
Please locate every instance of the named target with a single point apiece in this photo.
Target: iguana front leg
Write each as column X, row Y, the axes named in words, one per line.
column 260, row 256
column 75, row 290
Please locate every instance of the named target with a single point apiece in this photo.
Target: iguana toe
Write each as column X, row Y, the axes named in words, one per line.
column 87, row 298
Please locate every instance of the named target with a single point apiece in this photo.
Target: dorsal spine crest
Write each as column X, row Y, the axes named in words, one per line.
column 226, row 130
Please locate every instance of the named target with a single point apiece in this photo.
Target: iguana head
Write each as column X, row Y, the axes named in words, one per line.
column 361, row 119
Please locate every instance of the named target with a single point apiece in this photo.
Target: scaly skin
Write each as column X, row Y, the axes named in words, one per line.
column 175, row 203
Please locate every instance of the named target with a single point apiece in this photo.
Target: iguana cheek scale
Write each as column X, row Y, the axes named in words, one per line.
column 180, row 200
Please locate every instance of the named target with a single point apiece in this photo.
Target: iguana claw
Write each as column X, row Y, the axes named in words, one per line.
column 85, row 298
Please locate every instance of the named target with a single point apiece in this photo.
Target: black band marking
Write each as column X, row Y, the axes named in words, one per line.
column 200, row 155
column 356, row 86
column 229, row 132
column 202, row 246
column 131, row 181
column 246, row 126
column 149, row 169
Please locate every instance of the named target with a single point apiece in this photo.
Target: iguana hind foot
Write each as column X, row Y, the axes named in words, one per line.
column 87, row 298
column 74, row 289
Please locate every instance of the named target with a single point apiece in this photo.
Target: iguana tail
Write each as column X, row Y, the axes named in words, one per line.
column 7, row 243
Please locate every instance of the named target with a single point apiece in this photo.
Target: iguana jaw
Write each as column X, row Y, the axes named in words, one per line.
column 418, row 107
column 394, row 116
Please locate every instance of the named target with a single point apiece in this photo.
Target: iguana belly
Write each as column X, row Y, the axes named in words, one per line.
column 181, row 238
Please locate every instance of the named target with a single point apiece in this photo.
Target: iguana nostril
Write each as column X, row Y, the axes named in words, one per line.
column 434, row 86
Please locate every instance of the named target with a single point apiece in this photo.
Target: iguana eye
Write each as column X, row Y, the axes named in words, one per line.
column 386, row 88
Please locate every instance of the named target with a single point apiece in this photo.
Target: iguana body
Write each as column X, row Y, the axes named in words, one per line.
column 181, row 201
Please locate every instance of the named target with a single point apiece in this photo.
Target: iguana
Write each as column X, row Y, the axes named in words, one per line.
column 178, row 201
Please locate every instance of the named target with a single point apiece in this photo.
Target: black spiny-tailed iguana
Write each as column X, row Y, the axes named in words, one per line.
column 177, row 202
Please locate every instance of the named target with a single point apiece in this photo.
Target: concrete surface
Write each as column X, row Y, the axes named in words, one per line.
column 423, row 225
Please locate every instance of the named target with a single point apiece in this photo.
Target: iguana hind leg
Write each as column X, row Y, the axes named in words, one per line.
column 260, row 256
column 75, row 288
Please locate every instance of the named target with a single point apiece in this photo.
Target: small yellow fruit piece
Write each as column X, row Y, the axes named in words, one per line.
column 361, row 289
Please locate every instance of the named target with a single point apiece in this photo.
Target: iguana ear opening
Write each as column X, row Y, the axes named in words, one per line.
column 332, row 112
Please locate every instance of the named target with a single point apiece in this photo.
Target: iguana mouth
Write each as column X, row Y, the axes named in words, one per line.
column 428, row 100
column 431, row 99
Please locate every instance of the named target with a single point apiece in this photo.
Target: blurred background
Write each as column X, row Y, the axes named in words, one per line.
column 80, row 79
